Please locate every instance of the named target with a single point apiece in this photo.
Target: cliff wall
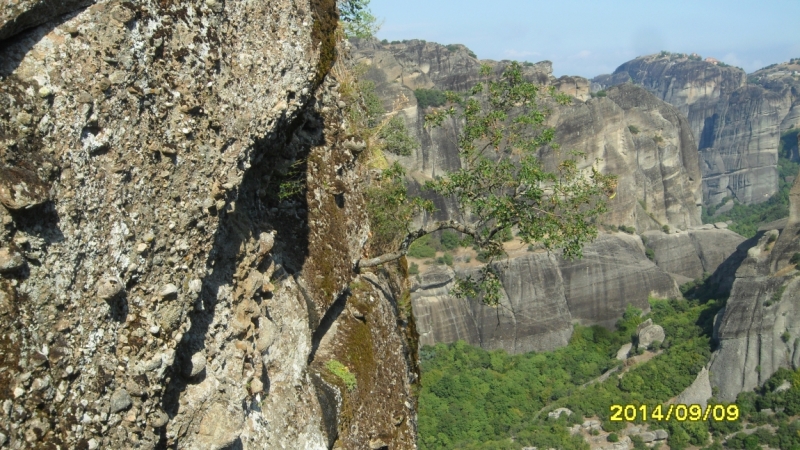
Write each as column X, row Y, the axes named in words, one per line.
column 630, row 133
column 736, row 119
column 156, row 289
column 758, row 331
column 543, row 295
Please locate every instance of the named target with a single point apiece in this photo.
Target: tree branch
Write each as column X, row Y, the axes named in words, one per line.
column 413, row 236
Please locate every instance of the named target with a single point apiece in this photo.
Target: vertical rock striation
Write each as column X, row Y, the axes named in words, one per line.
column 737, row 119
column 758, row 332
column 543, row 295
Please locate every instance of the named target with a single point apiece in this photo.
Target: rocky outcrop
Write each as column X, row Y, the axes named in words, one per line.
column 736, row 119
column 168, row 296
column 630, row 133
column 696, row 252
column 647, row 332
column 648, row 145
column 543, row 295
column 698, row 392
column 758, row 332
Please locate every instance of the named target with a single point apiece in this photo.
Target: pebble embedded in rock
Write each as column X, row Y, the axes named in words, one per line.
column 109, row 288
column 10, row 260
column 154, row 330
column 256, row 386
column 168, row 291
column 120, row 401
column 158, row 419
column 198, row 363
column 265, row 243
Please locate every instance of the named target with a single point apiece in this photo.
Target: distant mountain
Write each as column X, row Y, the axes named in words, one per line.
column 737, row 119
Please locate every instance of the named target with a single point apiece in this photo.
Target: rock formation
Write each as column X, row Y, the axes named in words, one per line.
column 643, row 140
column 759, row 329
column 155, row 290
column 647, row 332
column 699, row 251
column 737, row 119
column 543, row 296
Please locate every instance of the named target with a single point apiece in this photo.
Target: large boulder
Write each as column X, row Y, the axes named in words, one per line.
column 648, row 332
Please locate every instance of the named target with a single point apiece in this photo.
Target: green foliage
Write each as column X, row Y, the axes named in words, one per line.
column 388, row 209
column 626, row 229
column 471, row 397
column 600, row 93
column 658, row 139
column 665, row 228
column 446, row 259
column 795, row 260
column 786, row 336
column 450, row 240
column 651, row 254
column 511, row 187
column 612, row 437
column 342, row 372
column 429, row 97
column 357, row 18
column 421, row 248
column 292, row 183
column 413, row 269
column 633, row 129
column 776, row 296
column 396, row 138
column 472, row 54
column 747, row 218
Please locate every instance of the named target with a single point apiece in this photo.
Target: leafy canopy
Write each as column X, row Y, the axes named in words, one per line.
column 502, row 184
column 357, row 18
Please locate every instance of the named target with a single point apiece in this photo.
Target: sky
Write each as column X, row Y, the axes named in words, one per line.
column 593, row 37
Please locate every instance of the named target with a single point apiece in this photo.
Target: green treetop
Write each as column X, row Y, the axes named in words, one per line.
column 503, row 184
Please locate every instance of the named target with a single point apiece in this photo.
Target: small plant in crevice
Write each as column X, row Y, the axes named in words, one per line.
column 342, row 372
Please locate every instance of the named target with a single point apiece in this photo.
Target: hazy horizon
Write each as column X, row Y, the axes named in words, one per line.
column 589, row 39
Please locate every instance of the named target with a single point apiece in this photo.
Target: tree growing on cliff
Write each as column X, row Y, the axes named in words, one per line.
column 502, row 183
column 357, row 18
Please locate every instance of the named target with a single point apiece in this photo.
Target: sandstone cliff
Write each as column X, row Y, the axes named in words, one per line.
column 758, row 332
column 643, row 140
column 155, row 289
column 736, row 119
column 543, row 296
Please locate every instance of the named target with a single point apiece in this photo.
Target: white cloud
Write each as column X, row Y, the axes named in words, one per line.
column 583, row 54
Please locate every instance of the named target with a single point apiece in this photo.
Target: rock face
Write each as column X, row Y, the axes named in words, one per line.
column 167, row 296
column 736, row 119
column 631, row 133
column 648, row 145
column 699, row 251
column 543, row 296
column 698, row 392
column 758, row 332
